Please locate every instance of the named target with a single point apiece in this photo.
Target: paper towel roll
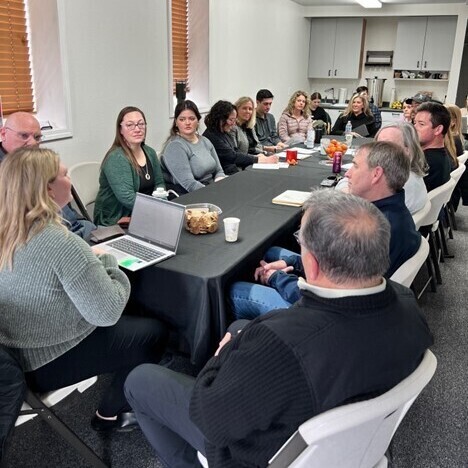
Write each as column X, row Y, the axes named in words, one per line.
column 342, row 95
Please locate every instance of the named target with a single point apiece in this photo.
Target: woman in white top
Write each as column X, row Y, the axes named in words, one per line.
column 404, row 135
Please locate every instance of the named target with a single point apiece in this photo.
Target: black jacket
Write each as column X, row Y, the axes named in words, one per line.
column 230, row 158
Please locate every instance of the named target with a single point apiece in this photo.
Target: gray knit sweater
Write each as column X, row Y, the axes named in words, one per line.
column 57, row 293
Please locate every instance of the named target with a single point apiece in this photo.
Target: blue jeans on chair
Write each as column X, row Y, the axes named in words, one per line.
column 249, row 300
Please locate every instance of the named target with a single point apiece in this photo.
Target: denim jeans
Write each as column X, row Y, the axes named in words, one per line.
column 249, row 300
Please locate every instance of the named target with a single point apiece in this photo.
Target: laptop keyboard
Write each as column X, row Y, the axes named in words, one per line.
column 135, row 249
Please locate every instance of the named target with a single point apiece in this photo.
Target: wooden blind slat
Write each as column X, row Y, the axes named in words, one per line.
column 180, row 46
column 15, row 67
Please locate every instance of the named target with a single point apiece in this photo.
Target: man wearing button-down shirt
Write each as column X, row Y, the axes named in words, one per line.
column 265, row 125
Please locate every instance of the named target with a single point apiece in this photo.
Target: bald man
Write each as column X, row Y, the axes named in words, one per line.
column 23, row 129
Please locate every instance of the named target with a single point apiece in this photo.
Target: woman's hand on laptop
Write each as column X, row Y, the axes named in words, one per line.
column 124, row 222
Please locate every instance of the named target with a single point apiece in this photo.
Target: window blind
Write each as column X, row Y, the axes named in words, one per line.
column 180, row 46
column 15, row 70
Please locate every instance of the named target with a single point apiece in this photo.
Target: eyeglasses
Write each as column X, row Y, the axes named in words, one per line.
column 133, row 125
column 25, row 136
column 296, row 236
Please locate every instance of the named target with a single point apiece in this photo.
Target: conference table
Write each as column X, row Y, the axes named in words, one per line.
column 190, row 291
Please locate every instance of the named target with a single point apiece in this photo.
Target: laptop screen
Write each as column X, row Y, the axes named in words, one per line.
column 157, row 221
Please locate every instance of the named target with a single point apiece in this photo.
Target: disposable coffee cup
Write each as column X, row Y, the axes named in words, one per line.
column 231, row 229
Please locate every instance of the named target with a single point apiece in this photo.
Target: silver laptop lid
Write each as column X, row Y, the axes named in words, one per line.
column 157, row 221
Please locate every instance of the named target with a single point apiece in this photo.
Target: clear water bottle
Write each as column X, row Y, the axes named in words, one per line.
column 348, row 134
column 349, row 127
column 310, row 141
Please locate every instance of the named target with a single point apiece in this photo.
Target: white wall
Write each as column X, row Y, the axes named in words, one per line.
column 117, row 55
column 258, row 44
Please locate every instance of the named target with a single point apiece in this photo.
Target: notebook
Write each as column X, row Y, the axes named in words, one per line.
column 291, row 198
column 153, row 233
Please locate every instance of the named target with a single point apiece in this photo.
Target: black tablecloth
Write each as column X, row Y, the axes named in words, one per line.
column 189, row 291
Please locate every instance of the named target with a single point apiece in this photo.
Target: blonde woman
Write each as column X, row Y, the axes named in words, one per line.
column 244, row 133
column 360, row 116
column 295, row 120
column 60, row 302
column 130, row 166
column 456, row 128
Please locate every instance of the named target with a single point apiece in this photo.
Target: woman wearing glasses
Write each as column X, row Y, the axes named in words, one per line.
column 130, row 166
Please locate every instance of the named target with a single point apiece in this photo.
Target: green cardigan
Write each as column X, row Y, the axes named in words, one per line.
column 118, row 184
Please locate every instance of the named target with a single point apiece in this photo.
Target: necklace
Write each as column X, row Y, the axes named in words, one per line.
column 147, row 175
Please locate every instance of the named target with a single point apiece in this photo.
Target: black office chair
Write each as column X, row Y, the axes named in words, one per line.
column 14, row 392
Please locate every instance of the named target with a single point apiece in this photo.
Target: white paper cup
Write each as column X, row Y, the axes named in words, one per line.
column 231, row 229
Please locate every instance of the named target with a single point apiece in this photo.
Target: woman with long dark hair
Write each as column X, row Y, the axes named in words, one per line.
column 130, row 166
column 219, row 122
column 189, row 160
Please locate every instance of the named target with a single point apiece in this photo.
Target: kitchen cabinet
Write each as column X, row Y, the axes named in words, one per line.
column 425, row 43
column 335, row 48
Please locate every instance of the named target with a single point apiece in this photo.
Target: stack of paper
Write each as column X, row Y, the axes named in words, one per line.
column 280, row 165
column 291, row 198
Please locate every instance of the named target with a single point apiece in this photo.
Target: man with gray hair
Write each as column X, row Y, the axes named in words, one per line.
column 351, row 336
column 378, row 174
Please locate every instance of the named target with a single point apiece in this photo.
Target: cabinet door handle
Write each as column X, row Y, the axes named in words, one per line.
column 329, row 72
column 335, row 72
column 425, row 63
column 417, row 65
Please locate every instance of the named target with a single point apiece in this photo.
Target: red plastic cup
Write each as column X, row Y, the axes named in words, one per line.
column 291, row 156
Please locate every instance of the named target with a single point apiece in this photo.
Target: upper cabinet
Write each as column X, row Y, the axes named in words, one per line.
column 425, row 43
column 335, row 47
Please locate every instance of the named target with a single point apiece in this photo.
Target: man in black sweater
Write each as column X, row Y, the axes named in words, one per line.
column 352, row 335
column 432, row 121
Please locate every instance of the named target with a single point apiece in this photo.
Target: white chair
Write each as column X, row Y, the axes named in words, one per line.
column 85, row 179
column 355, row 435
column 420, row 215
column 462, row 159
column 438, row 198
column 407, row 272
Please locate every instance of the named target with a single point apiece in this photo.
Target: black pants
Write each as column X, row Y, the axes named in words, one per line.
column 120, row 348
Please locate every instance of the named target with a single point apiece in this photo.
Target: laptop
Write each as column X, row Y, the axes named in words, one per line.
column 153, row 233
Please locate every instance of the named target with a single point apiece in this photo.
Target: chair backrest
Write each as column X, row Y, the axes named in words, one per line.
column 407, row 272
column 458, row 172
column 357, row 435
column 420, row 215
column 462, row 159
column 85, row 179
column 438, row 197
